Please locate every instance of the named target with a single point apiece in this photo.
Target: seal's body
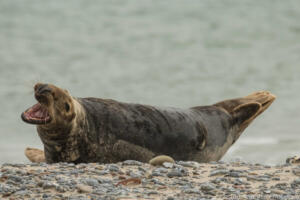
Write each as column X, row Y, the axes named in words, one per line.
column 100, row 130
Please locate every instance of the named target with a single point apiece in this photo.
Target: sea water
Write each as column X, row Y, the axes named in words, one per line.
column 164, row 53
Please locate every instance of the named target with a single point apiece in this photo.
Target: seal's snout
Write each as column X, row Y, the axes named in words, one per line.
column 41, row 91
column 264, row 98
column 40, row 88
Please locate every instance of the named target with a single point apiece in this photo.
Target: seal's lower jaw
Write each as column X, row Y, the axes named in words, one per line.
column 37, row 114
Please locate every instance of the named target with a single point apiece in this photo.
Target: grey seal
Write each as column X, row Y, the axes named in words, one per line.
column 103, row 130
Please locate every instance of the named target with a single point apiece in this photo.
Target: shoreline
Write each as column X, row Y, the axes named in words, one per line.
column 135, row 180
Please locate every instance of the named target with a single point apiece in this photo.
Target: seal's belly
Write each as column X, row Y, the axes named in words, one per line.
column 165, row 131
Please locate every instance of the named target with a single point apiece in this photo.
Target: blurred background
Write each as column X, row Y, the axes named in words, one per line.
column 164, row 53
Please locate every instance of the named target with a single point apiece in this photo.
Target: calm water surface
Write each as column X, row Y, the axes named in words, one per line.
column 164, row 53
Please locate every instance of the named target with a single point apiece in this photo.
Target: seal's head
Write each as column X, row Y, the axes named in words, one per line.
column 55, row 106
column 244, row 110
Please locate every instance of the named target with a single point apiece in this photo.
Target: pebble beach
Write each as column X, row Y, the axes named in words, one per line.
column 135, row 180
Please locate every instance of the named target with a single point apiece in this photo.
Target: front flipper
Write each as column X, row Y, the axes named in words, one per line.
column 123, row 150
column 35, row 155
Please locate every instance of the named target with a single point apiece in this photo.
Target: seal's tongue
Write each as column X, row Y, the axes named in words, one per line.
column 37, row 114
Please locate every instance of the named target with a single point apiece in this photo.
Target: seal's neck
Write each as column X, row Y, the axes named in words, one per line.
column 62, row 141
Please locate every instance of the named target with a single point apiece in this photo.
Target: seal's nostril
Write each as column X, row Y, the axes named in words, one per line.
column 42, row 88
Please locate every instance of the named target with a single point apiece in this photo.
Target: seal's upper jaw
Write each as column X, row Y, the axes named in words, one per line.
column 38, row 113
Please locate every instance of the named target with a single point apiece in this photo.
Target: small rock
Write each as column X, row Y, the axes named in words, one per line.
column 191, row 191
column 168, row 165
column 175, row 173
column 92, row 182
column 132, row 162
column 148, row 175
column 234, row 174
column 135, row 175
column 159, row 160
column 219, row 172
column 152, row 192
column 296, row 181
column 281, row 186
column 48, row 185
column 155, row 173
column 142, row 169
column 277, row 192
column 160, row 170
column 113, row 168
column 103, row 172
column 61, row 189
column 170, row 198
column 156, row 181
column 22, row 192
column 296, row 171
column 276, row 179
column 15, row 178
column 84, row 189
column 187, row 164
column 207, row 187
column 267, row 192
column 45, row 196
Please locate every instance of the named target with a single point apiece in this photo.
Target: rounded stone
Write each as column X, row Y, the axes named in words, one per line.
column 159, row 160
column 84, row 188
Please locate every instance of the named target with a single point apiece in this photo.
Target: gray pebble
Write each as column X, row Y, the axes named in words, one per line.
column 92, row 182
column 170, row 198
column 132, row 162
column 219, row 172
column 296, row 171
column 113, row 168
column 142, row 169
column 235, row 174
column 135, row 174
column 22, row 192
column 168, row 165
column 160, row 170
column 187, row 164
column 207, row 187
column 48, row 185
column 267, row 192
column 61, row 189
column 103, row 172
column 15, row 178
column 249, row 178
column 152, row 192
column 45, row 196
column 297, row 181
column 191, row 191
column 175, row 173
column 276, row 179
column 156, row 181
column 84, row 189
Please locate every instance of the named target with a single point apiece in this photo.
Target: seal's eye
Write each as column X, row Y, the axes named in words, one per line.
column 67, row 107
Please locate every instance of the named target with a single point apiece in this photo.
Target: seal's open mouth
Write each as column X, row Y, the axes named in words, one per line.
column 37, row 114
